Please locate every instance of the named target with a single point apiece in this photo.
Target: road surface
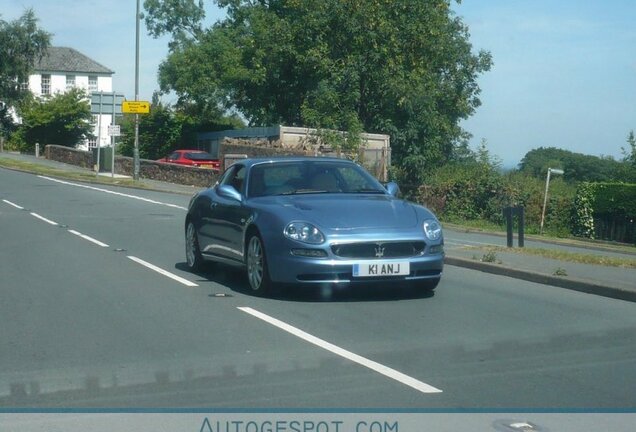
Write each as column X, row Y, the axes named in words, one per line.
column 98, row 310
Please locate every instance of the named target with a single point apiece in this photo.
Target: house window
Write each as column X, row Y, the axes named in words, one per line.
column 70, row 81
column 92, row 83
column 92, row 143
column 46, row 84
column 24, row 85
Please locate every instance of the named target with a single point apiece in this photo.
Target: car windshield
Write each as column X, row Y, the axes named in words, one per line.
column 199, row 156
column 311, row 177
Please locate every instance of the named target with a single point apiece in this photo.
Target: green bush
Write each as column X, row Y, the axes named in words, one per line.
column 601, row 200
column 477, row 191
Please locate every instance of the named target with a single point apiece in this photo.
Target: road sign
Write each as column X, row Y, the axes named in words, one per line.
column 114, row 130
column 135, row 107
column 106, row 103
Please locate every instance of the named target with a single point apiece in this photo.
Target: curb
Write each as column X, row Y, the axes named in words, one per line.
column 561, row 282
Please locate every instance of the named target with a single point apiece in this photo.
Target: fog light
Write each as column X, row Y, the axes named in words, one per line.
column 310, row 253
column 438, row 249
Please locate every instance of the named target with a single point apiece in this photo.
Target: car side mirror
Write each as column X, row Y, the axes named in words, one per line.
column 227, row 191
column 393, row 189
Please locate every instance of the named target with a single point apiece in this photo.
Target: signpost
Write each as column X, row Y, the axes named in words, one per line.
column 114, row 130
column 135, row 107
column 105, row 103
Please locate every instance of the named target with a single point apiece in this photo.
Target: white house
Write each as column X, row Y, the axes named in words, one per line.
column 64, row 68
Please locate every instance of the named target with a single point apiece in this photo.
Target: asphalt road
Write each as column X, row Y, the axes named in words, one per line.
column 97, row 310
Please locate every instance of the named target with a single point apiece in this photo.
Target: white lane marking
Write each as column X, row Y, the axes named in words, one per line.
column 380, row 368
column 163, row 272
column 114, row 193
column 90, row 239
column 42, row 218
column 13, row 204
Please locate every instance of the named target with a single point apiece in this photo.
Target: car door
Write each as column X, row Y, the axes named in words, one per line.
column 224, row 219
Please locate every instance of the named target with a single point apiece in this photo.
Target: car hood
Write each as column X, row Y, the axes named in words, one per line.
column 346, row 211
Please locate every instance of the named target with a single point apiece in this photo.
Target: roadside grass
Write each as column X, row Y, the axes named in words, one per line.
column 473, row 225
column 87, row 177
column 560, row 255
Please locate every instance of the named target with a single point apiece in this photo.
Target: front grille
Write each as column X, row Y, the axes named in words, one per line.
column 377, row 250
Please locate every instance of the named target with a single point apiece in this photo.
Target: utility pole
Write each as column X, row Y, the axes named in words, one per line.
column 136, row 150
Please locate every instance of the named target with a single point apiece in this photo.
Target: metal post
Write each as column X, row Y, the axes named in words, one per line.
column 508, row 216
column 545, row 199
column 522, row 222
column 136, row 150
column 545, row 196
column 99, row 130
column 113, row 139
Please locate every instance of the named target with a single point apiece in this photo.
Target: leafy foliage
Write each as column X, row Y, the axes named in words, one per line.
column 401, row 67
column 165, row 129
column 62, row 119
column 629, row 154
column 615, row 198
column 22, row 42
column 577, row 166
column 476, row 189
column 159, row 133
column 600, row 202
column 583, row 212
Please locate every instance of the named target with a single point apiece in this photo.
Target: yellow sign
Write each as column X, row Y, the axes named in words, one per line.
column 135, row 107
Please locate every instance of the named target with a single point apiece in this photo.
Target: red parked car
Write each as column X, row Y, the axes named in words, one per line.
column 195, row 158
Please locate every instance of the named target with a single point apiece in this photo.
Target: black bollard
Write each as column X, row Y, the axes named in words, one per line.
column 507, row 211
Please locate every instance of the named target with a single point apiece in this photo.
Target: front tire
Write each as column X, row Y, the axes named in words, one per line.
column 257, row 273
column 194, row 260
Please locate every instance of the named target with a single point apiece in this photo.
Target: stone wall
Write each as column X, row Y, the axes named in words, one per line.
column 70, row 156
column 148, row 169
column 181, row 174
column 263, row 148
column 165, row 172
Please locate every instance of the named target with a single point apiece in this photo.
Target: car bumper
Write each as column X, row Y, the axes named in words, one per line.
column 302, row 270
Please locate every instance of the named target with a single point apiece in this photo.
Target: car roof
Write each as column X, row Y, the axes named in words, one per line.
column 275, row 159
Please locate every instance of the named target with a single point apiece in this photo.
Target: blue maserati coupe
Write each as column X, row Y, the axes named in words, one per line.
column 312, row 220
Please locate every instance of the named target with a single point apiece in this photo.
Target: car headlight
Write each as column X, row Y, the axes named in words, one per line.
column 432, row 229
column 304, row 232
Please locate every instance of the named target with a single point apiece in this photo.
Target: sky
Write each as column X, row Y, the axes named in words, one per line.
column 564, row 72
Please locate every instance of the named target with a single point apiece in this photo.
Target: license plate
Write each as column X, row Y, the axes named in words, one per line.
column 381, row 268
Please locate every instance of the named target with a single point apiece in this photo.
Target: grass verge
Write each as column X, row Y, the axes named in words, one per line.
column 560, row 255
column 86, row 177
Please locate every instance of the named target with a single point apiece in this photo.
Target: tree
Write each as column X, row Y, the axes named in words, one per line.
column 629, row 159
column 577, row 166
column 629, row 154
column 62, row 119
column 165, row 129
column 159, row 133
column 22, row 42
column 401, row 67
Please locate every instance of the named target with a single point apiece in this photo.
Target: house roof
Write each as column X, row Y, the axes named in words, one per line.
column 63, row 59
